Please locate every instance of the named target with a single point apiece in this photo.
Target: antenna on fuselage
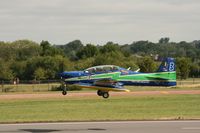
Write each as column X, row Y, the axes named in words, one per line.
column 137, row 70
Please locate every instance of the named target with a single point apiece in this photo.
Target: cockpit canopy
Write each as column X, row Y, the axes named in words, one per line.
column 103, row 69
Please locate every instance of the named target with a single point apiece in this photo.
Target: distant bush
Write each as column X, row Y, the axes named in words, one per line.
column 56, row 88
column 8, row 89
column 71, row 88
column 74, row 88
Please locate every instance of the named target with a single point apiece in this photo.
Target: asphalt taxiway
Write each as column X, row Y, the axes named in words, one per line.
column 105, row 127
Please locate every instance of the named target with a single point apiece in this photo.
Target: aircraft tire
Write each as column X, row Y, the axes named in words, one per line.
column 105, row 95
column 99, row 93
column 64, row 92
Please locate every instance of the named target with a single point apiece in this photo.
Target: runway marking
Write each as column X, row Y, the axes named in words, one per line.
column 191, row 128
column 110, row 122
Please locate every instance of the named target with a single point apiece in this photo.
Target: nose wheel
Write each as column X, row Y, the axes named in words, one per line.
column 64, row 92
column 103, row 94
column 64, row 89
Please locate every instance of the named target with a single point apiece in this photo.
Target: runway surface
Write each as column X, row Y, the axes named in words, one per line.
column 11, row 96
column 105, row 127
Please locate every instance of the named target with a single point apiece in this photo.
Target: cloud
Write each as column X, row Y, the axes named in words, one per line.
column 99, row 21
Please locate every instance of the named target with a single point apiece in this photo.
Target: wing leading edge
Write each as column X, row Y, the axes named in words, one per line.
column 105, row 85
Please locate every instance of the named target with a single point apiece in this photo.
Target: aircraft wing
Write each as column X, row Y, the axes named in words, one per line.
column 104, row 85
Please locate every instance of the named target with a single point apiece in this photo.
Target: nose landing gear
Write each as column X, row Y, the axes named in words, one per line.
column 64, row 89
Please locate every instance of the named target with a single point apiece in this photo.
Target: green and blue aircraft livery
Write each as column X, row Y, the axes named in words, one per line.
column 107, row 78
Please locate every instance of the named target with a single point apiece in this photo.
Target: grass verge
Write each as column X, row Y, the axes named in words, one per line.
column 96, row 109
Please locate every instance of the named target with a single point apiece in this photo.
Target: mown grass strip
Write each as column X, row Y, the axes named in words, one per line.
column 90, row 109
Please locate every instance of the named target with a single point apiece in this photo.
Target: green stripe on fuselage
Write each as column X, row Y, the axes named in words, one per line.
column 149, row 76
column 159, row 76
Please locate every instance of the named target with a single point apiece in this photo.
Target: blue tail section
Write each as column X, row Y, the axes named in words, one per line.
column 167, row 65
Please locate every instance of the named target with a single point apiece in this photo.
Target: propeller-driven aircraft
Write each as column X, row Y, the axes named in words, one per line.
column 107, row 78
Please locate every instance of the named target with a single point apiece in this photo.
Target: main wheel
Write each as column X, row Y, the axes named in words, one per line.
column 105, row 95
column 64, row 92
column 99, row 93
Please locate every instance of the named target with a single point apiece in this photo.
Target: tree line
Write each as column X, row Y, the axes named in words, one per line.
column 28, row 60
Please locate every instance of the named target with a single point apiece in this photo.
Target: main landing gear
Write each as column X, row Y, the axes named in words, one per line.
column 103, row 94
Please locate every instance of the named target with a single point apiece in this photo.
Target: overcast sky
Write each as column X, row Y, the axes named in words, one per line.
column 99, row 21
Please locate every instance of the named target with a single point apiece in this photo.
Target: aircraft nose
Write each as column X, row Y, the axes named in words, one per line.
column 66, row 75
column 71, row 74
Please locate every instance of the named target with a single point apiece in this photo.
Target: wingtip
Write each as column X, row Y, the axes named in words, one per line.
column 127, row 90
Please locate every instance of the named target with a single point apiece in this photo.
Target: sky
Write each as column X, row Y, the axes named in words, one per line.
column 99, row 21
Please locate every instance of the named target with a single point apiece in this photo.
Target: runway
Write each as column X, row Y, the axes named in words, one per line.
column 93, row 94
column 105, row 127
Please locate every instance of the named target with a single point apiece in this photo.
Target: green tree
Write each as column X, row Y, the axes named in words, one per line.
column 110, row 47
column 112, row 58
column 52, row 65
column 88, row 51
column 115, row 58
column 19, row 68
column 19, row 50
column 70, row 49
column 194, row 70
column 164, row 40
column 183, row 67
column 25, row 49
column 40, row 74
column 48, row 50
column 146, row 64
column 84, row 63
column 5, row 71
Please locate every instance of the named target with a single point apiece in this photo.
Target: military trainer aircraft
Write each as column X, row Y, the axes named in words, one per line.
column 107, row 78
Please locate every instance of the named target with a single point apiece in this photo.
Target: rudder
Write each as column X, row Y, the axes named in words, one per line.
column 167, row 65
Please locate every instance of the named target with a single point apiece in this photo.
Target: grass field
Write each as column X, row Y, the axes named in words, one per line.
column 28, row 87
column 96, row 108
column 154, row 88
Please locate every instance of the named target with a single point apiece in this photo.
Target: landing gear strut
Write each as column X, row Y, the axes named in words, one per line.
column 103, row 94
column 64, row 89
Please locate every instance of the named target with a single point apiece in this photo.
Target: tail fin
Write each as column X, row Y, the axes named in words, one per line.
column 167, row 65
